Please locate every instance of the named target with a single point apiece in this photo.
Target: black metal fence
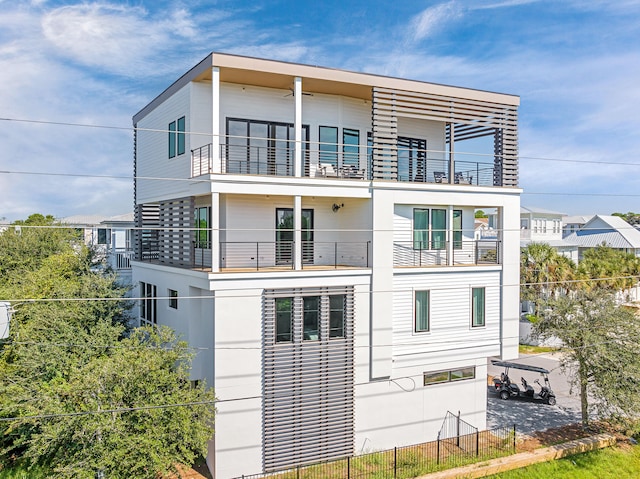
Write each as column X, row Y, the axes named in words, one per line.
column 458, row 444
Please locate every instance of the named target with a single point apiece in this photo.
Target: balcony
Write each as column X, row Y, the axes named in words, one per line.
column 414, row 166
column 411, row 255
column 247, row 256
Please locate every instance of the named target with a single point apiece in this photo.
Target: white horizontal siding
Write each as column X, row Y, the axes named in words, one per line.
column 201, row 108
column 403, row 221
column 451, row 335
column 255, row 103
column 432, row 131
column 152, row 155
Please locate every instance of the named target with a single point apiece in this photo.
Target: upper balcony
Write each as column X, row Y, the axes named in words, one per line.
column 265, row 157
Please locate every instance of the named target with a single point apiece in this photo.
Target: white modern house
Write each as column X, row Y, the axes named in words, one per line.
column 538, row 225
column 311, row 232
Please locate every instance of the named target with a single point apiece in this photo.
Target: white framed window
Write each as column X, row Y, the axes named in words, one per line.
column 421, row 311
column 477, row 307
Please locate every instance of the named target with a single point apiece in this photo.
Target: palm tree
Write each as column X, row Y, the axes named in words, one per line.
column 544, row 273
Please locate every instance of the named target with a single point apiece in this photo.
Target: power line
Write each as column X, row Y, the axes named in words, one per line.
column 211, row 134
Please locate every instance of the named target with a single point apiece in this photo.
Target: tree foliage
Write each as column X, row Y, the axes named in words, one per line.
column 630, row 217
column 70, row 356
column 608, row 269
column 544, row 272
column 602, row 350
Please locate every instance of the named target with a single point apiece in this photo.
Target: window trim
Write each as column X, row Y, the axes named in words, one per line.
column 181, row 139
column 415, row 311
column 484, row 307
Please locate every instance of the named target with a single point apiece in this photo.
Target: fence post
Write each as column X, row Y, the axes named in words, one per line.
column 438, row 450
column 395, row 462
column 458, row 430
column 348, row 467
column 298, row 472
column 477, row 443
column 514, row 437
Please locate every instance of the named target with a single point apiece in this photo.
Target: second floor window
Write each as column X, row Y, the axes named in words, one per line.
column 177, row 137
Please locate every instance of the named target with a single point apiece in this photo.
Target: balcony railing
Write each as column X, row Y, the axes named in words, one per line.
column 279, row 161
column 279, row 255
column 416, row 254
column 120, row 258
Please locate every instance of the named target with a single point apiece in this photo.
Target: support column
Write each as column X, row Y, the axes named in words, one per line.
column 216, row 156
column 215, row 232
column 452, row 161
column 298, row 167
column 450, row 235
column 297, row 232
column 381, row 326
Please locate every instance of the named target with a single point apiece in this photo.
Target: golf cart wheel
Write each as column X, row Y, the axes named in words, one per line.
column 551, row 401
column 504, row 395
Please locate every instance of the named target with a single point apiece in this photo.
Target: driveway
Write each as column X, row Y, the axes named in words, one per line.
column 533, row 416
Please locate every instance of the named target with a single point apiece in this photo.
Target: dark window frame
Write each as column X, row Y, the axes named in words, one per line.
column 173, row 299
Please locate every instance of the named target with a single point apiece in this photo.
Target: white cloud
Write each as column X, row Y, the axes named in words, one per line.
column 503, row 4
column 112, row 37
column 433, row 19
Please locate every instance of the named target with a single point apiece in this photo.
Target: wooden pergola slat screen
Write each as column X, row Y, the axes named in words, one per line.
column 468, row 118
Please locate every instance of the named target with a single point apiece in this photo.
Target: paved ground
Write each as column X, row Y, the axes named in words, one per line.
column 533, row 416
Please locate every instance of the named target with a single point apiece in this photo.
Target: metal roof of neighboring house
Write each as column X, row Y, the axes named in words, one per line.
column 541, row 211
column 83, row 220
column 576, row 219
column 561, row 243
column 96, row 220
column 611, row 230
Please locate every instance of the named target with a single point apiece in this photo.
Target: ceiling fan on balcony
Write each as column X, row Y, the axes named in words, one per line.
column 293, row 93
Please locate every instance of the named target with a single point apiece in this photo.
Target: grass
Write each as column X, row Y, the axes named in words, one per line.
column 618, row 462
column 527, row 349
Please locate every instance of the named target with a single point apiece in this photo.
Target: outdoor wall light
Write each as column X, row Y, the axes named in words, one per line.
column 337, row 206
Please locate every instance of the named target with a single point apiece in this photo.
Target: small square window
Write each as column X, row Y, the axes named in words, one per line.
column 173, row 299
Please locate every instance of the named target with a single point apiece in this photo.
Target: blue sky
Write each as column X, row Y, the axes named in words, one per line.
column 575, row 64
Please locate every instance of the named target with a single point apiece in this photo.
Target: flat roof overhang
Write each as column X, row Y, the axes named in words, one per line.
column 315, row 79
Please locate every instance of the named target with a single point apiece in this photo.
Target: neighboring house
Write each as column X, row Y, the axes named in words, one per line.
column 111, row 237
column 612, row 231
column 571, row 224
column 310, row 232
column 538, row 225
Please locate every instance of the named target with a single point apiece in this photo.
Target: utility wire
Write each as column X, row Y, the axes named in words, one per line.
column 210, row 134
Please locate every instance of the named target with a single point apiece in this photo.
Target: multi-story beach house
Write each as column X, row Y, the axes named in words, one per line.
column 310, row 232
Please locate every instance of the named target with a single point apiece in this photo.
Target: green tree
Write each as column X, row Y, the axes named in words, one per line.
column 602, row 350
column 480, row 214
column 70, row 352
column 630, row 217
column 608, row 269
column 544, row 272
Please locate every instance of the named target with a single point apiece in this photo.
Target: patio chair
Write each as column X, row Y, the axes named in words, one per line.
column 328, row 170
column 440, row 176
